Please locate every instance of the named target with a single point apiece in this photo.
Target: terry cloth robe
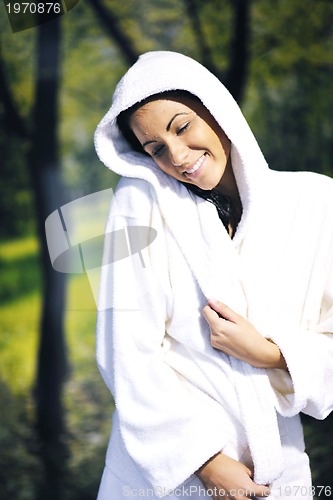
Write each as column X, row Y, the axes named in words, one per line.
column 178, row 400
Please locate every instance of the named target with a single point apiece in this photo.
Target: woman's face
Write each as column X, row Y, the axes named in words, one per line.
column 184, row 140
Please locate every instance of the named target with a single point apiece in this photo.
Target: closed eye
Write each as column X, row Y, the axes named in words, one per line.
column 158, row 151
column 183, row 128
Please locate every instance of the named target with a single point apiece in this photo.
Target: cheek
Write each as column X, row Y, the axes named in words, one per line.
column 213, row 140
column 226, row 144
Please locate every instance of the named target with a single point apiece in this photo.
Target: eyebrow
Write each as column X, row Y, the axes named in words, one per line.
column 167, row 127
column 175, row 116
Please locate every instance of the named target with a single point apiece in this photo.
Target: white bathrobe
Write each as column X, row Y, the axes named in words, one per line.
column 178, row 400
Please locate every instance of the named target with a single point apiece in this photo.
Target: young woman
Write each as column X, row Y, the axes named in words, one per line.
column 214, row 332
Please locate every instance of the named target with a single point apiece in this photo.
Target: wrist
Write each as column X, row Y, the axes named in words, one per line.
column 203, row 472
column 274, row 357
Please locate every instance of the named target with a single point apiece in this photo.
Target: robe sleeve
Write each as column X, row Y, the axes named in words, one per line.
column 165, row 428
column 308, row 387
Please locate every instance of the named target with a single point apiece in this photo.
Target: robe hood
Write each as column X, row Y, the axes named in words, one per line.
column 160, row 71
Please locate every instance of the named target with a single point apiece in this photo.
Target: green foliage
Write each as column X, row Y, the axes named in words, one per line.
column 17, row 51
column 154, row 26
column 16, row 203
column 91, row 67
column 319, row 447
column 20, row 468
column 16, row 206
column 290, row 100
column 217, row 20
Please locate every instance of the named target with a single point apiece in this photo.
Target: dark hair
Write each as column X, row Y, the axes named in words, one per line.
column 223, row 203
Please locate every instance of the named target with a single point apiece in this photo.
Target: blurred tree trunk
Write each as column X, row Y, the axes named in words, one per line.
column 44, row 166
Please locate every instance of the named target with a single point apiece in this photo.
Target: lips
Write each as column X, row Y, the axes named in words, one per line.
column 196, row 166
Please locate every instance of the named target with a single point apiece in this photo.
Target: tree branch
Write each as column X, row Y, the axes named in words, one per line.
column 111, row 25
column 239, row 54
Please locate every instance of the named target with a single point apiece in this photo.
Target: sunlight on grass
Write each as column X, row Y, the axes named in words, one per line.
column 18, row 342
column 19, row 320
column 13, row 249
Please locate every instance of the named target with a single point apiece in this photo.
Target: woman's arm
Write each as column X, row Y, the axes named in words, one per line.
column 228, row 478
column 235, row 336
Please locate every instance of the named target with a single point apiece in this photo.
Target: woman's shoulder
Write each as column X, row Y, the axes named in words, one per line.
column 303, row 183
column 308, row 194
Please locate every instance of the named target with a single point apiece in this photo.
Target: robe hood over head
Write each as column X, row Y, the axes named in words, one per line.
column 160, row 71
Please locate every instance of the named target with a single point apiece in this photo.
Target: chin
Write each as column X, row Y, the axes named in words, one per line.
column 209, row 184
column 206, row 186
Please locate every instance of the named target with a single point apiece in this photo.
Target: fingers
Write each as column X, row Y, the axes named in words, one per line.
column 210, row 315
column 215, row 310
column 221, row 320
column 222, row 310
column 262, row 491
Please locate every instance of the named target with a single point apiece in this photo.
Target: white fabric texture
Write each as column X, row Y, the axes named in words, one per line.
column 295, row 482
column 178, row 400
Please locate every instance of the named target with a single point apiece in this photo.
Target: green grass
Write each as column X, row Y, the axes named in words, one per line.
column 19, row 341
column 14, row 249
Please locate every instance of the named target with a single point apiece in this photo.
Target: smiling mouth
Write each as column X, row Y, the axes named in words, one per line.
column 196, row 166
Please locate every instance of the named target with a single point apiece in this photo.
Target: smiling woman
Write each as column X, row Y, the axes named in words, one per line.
column 189, row 145
column 215, row 345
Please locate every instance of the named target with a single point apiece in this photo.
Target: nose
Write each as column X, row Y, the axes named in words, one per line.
column 178, row 153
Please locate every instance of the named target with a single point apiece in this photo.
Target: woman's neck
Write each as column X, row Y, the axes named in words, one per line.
column 228, row 187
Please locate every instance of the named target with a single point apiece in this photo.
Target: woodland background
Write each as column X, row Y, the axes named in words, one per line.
column 56, row 82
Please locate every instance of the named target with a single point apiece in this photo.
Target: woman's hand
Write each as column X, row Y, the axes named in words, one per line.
column 227, row 478
column 234, row 335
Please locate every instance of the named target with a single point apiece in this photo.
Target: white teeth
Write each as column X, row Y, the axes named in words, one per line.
column 196, row 166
